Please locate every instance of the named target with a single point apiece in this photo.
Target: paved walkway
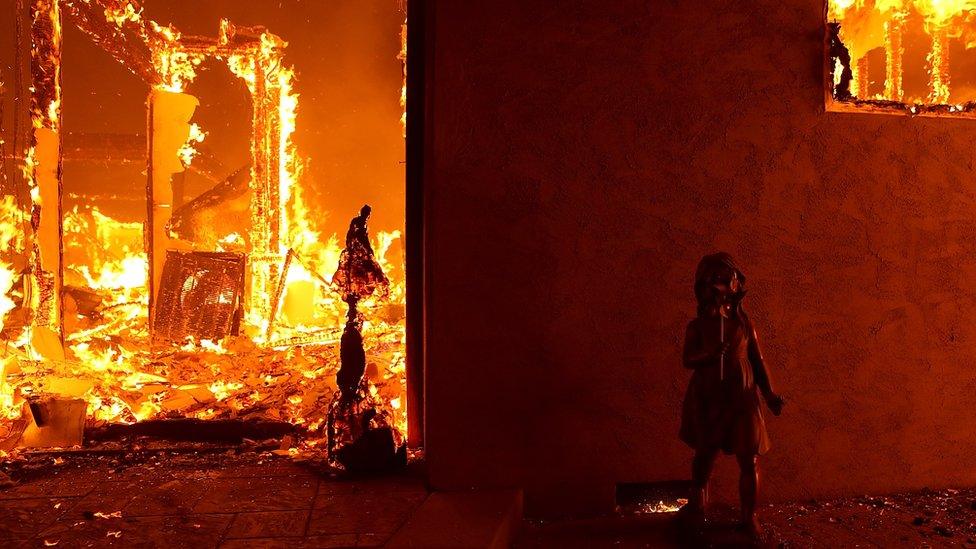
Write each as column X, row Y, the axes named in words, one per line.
column 945, row 518
column 199, row 502
column 256, row 500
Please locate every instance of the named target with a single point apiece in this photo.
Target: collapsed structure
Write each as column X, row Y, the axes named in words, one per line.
column 197, row 314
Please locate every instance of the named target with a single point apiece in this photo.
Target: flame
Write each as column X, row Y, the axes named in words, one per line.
column 120, row 15
column 866, row 26
column 178, row 68
column 940, row 12
column 188, row 150
column 836, row 9
column 661, row 506
column 402, row 56
column 894, row 53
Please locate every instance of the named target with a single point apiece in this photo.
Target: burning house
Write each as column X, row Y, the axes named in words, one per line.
column 217, row 225
column 206, row 290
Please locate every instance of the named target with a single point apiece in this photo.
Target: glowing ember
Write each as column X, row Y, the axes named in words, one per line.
column 661, row 506
column 188, row 150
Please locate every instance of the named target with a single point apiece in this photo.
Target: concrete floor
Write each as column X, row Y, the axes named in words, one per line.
column 198, row 502
column 945, row 518
column 252, row 499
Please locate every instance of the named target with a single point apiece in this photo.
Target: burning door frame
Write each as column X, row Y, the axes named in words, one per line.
column 166, row 61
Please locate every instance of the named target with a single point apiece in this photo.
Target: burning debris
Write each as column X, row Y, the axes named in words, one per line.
column 194, row 313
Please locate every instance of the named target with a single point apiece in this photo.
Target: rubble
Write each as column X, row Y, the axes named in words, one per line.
column 934, row 518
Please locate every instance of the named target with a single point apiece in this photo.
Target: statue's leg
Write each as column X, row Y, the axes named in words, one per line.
column 701, row 472
column 749, row 490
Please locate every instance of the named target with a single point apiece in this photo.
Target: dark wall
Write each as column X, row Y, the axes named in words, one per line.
column 584, row 155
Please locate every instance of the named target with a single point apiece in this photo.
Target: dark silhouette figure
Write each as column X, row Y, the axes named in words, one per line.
column 722, row 408
column 840, row 53
column 358, row 276
column 361, row 436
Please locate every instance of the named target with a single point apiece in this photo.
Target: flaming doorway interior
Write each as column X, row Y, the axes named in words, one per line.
column 176, row 197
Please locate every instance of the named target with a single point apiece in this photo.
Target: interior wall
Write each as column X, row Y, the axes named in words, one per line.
column 583, row 156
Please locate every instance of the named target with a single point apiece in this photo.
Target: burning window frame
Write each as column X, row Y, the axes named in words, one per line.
column 844, row 69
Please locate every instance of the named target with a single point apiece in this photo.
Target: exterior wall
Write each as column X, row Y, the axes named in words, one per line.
column 584, row 155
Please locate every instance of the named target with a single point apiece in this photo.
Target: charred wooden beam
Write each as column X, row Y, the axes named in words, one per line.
column 131, row 148
column 125, row 40
column 44, row 163
column 195, row 220
column 104, row 147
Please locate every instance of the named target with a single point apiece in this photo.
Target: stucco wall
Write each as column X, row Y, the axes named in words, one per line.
column 586, row 154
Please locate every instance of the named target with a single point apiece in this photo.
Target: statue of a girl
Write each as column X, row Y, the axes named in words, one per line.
column 722, row 408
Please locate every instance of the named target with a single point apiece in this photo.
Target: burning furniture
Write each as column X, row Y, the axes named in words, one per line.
column 200, row 296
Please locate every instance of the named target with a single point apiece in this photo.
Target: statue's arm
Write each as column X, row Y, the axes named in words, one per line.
column 759, row 369
column 694, row 355
column 760, row 372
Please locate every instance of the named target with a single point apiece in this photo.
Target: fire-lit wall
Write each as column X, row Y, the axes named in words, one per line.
column 584, row 155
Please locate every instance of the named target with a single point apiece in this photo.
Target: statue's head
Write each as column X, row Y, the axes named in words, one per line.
column 365, row 211
column 718, row 280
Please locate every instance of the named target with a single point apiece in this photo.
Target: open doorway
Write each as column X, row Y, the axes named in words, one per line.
column 204, row 160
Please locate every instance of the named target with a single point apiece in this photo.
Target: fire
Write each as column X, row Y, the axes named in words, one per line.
column 402, row 56
column 285, row 371
column 126, row 13
column 940, row 12
column 188, row 150
column 866, row 26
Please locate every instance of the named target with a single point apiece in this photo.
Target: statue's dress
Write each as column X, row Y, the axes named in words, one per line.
column 725, row 413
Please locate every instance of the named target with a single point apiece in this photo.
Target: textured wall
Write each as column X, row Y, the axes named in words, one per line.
column 586, row 154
